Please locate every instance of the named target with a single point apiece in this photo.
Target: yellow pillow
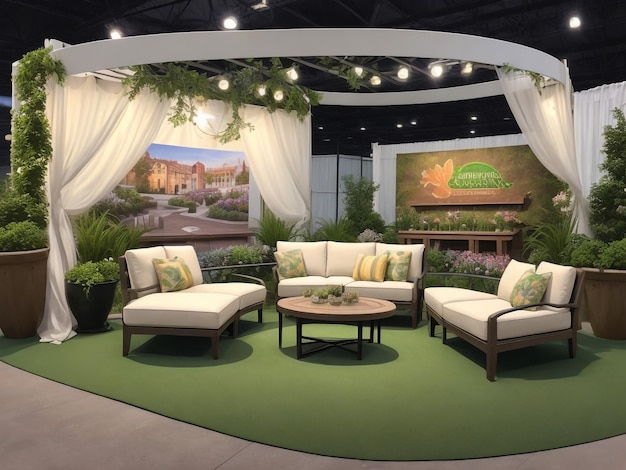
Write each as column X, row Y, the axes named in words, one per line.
column 173, row 274
column 370, row 268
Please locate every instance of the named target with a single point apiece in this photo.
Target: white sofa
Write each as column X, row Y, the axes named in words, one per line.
column 198, row 310
column 489, row 321
column 332, row 263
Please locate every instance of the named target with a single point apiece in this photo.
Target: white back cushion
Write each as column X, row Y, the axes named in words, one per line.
column 561, row 284
column 140, row 269
column 314, row 254
column 188, row 254
column 341, row 256
column 417, row 255
column 510, row 276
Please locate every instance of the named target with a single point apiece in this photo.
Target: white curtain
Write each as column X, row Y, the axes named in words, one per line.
column 279, row 153
column 546, row 120
column 97, row 137
column 593, row 110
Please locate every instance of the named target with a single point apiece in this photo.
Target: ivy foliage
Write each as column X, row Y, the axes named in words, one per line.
column 31, row 147
column 538, row 79
column 186, row 87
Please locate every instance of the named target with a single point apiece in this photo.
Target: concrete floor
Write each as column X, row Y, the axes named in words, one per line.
column 44, row 424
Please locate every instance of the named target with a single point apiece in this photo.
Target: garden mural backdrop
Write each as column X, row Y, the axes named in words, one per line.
column 216, row 178
column 465, row 189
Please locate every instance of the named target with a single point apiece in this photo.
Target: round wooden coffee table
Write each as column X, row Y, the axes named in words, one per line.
column 366, row 310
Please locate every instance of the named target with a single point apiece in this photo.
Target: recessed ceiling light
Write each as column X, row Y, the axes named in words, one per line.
column 414, row 122
column 115, row 34
column 321, row 128
column 474, row 118
column 230, row 22
column 399, row 126
column 472, row 131
column 362, row 128
column 574, row 22
column 326, row 140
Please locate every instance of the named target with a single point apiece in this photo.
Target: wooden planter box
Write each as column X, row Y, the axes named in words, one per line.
column 604, row 302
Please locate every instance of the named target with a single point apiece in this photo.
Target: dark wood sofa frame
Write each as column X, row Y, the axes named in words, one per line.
column 492, row 347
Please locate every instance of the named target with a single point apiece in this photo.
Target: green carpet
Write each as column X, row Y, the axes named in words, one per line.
column 411, row 398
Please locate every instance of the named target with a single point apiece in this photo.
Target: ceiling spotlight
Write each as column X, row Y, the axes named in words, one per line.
column 321, row 128
column 375, row 80
column 474, row 118
column 261, row 90
column 574, row 22
column 403, row 73
column 278, row 95
column 414, row 122
column 399, row 126
column 230, row 22
column 261, row 5
column 115, row 34
column 292, row 73
column 472, row 131
column 436, row 70
column 467, row 68
column 362, row 128
column 358, row 71
column 223, row 84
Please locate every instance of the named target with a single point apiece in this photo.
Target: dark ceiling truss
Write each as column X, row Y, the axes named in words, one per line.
column 596, row 54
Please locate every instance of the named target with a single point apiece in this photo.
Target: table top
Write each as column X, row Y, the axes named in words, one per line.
column 365, row 309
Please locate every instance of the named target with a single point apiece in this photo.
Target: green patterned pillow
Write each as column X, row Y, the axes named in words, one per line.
column 530, row 288
column 290, row 264
column 173, row 274
column 398, row 267
column 370, row 268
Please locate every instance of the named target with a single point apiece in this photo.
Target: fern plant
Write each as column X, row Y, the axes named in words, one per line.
column 272, row 229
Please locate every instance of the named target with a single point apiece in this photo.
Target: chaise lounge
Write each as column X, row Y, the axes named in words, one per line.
column 532, row 306
column 165, row 293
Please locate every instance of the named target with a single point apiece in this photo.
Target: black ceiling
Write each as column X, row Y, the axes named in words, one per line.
column 596, row 52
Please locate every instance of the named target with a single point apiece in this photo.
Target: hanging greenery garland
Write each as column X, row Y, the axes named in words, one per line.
column 253, row 84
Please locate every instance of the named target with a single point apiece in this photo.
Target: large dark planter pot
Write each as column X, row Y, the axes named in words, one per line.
column 91, row 310
column 604, row 302
column 23, row 276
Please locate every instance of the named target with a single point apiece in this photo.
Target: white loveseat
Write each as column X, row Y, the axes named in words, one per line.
column 198, row 310
column 490, row 322
column 332, row 263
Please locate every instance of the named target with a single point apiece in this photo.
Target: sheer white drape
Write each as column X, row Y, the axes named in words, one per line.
column 279, row 153
column 97, row 137
column 593, row 109
column 385, row 163
column 546, row 120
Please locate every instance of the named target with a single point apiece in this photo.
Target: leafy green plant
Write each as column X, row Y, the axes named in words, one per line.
column 359, row 205
column 607, row 198
column 614, row 256
column 99, row 237
column 93, row 272
column 31, row 150
column 550, row 242
column 338, row 231
column 20, row 236
column 272, row 229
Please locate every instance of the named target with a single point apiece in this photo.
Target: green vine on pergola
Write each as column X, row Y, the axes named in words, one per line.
column 186, row 87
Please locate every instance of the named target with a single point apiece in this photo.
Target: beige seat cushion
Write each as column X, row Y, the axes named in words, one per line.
column 342, row 256
column 561, row 284
column 314, row 254
column 140, row 269
column 247, row 293
column 294, row 286
column 436, row 297
column 472, row 316
column 181, row 310
column 394, row 291
column 510, row 276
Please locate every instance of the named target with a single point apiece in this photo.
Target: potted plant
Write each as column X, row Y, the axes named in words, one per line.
column 91, row 285
column 23, row 208
column 90, row 292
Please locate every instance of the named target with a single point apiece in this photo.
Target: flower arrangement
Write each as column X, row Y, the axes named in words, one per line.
column 505, row 220
column 467, row 262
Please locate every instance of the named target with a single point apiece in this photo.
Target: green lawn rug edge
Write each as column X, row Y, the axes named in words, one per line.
column 410, row 398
